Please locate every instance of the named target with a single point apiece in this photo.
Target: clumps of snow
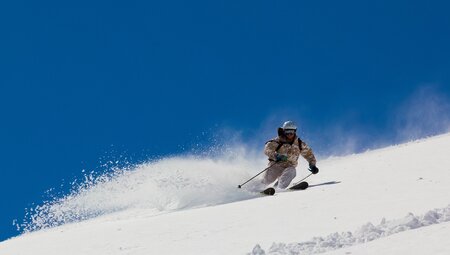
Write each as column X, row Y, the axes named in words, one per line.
column 366, row 233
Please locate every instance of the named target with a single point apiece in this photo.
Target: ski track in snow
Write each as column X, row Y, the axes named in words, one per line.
column 366, row 233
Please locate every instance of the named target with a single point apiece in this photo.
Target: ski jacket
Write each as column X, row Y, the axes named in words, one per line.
column 292, row 150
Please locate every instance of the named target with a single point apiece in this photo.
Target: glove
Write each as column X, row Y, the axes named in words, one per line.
column 281, row 157
column 313, row 169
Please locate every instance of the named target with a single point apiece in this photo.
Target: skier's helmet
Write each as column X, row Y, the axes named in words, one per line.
column 289, row 125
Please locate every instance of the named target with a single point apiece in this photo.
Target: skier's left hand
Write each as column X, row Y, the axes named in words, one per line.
column 313, row 169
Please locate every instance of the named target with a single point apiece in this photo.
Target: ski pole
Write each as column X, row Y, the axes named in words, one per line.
column 240, row 186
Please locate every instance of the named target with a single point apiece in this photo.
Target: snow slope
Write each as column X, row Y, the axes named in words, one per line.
column 429, row 240
column 368, row 233
column 160, row 209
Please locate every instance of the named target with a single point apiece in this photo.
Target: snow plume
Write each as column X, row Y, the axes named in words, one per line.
column 425, row 113
column 365, row 233
column 161, row 186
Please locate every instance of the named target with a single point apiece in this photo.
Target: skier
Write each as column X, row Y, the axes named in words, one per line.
column 283, row 152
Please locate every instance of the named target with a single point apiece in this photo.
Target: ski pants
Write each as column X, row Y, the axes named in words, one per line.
column 284, row 174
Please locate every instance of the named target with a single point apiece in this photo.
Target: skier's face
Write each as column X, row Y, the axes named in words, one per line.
column 290, row 134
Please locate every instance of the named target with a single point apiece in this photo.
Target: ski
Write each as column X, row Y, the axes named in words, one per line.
column 268, row 191
column 300, row 186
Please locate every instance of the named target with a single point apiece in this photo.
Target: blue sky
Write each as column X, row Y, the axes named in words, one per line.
column 82, row 83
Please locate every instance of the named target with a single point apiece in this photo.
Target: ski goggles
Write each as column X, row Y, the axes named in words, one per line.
column 289, row 131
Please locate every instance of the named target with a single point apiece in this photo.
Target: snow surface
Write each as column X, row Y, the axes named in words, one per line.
column 389, row 201
column 365, row 233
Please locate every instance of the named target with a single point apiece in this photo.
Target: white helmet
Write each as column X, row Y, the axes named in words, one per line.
column 289, row 125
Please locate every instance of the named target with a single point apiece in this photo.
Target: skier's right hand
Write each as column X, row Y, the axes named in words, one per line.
column 281, row 157
column 313, row 169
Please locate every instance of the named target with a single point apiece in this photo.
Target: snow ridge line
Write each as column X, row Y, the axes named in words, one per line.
column 366, row 233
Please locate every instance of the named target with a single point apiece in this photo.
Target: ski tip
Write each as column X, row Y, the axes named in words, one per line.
column 300, row 186
column 268, row 191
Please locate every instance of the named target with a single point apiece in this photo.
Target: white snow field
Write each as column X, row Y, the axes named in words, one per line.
column 393, row 200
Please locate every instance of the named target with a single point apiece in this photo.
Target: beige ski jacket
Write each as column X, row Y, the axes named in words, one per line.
column 291, row 149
